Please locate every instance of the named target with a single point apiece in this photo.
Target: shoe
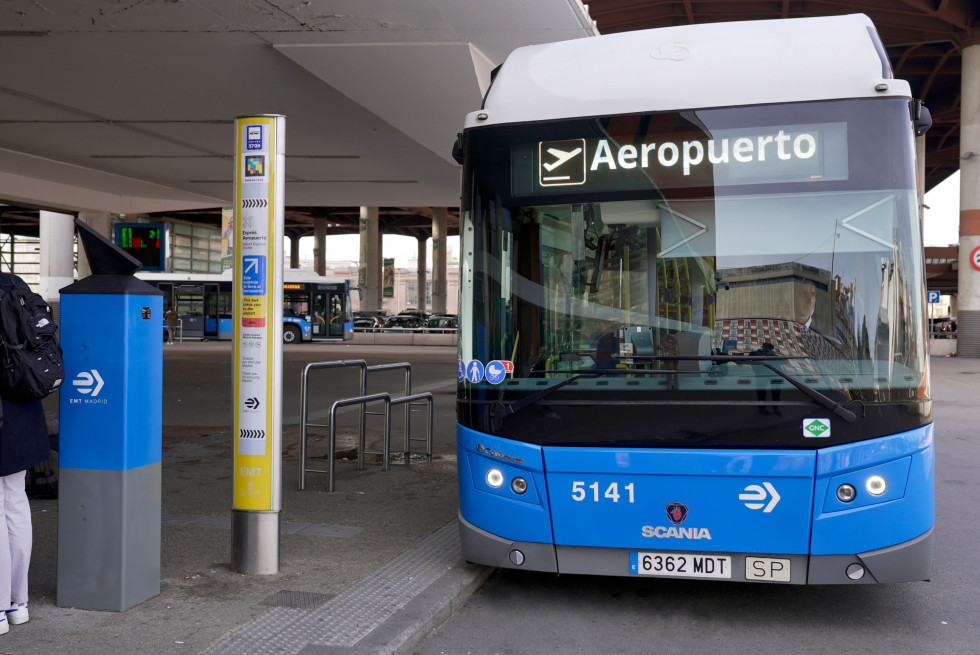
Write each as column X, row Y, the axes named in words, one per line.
column 4, row 626
column 17, row 614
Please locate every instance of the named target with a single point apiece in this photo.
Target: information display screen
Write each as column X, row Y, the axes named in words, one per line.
column 702, row 158
column 144, row 241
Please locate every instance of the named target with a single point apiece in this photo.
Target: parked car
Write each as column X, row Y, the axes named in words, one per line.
column 368, row 324
column 404, row 321
column 443, row 323
column 381, row 314
column 417, row 313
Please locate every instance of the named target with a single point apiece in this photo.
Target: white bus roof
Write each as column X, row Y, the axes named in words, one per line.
column 691, row 67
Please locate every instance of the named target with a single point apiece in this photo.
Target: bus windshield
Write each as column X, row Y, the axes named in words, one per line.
column 667, row 256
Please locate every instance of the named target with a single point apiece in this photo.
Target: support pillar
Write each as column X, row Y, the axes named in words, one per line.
column 420, row 276
column 57, row 232
column 369, row 269
column 440, row 260
column 294, row 251
column 320, row 245
column 101, row 222
column 968, row 300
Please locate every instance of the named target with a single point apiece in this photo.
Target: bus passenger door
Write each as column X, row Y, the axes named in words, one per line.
column 319, row 314
column 336, row 305
column 189, row 299
column 211, row 311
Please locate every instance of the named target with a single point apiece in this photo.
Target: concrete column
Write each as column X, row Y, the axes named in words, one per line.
column 381, row 272
column 101, row 222
column 369, row 268
column 294, row 251
column 440, row 259
column 57, row 232
column 420, row 277
column 968, row 300
column 320, row 245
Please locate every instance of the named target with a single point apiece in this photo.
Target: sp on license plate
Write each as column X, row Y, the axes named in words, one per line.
column 681, row 565
column 767, row 569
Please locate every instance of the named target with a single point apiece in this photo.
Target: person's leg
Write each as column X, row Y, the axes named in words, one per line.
column 4, row 557
column 20, row 537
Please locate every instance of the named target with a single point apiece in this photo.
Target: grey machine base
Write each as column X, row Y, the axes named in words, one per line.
column 108, row 537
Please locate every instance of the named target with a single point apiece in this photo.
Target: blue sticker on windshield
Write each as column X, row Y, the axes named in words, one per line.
column 496, row 372
column 474, row 371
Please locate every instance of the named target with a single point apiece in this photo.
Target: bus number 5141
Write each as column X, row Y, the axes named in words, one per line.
column 582, row 491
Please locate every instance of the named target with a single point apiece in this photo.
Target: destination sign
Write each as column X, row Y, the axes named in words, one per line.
column 723, row 157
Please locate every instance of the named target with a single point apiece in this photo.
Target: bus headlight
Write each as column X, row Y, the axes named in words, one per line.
column 846, row 493
column 495, row 478
column 519, row 485
column 876, row 485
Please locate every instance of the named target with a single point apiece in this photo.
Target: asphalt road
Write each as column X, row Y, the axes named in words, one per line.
column 518, row 612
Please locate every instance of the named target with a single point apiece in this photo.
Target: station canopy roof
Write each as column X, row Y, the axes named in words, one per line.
column 127, row 107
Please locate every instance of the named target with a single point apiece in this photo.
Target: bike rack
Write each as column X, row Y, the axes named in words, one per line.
column 408, row 391
column 408, row 401
column 363, row 400
column 304, row 409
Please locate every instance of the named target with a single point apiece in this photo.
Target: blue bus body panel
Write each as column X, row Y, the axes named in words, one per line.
column 741, row 501
column 682, row 499
column 500, row 510
column 904, row 511
column 305, row 327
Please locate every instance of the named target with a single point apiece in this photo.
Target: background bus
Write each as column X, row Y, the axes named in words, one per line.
column 692, row 309
column 314, row 307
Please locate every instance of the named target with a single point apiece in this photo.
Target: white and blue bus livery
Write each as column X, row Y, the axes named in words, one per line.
column 692, row 309
column 314, row 307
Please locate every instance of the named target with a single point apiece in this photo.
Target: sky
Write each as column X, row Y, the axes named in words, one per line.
column 942, row 222
column 942, row 228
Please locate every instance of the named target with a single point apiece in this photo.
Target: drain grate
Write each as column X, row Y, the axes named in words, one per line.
column 302, row 600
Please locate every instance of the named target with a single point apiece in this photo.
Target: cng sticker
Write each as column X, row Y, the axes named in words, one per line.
column 816, row 427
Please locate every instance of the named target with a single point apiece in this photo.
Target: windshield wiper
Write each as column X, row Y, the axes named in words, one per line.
column 831, row 404
column 503, row 411
column 835, row 407
column 828, row 402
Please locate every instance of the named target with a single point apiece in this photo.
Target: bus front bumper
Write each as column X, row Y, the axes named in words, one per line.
column 905, row 562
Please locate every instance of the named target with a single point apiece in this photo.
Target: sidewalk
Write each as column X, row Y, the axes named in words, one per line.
column 368, row 568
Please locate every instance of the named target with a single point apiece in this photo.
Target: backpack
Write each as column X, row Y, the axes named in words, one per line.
column 31, row 365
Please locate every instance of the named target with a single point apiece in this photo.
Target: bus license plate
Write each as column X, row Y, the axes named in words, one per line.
column 681, row 565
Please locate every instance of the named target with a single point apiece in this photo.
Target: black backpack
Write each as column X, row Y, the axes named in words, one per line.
column 31, row 366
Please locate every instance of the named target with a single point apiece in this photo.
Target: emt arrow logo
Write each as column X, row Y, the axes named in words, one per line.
column 85, row 380
column 252, row 403
column 756, row 497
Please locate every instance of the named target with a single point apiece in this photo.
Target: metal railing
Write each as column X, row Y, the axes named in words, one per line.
column 405, row 366
column 408, row 399
column 305, row 409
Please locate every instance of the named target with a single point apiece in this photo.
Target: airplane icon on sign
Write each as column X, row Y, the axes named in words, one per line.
column 560, row 157
column 561, row 163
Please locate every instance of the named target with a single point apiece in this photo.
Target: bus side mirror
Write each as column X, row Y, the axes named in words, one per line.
column 921, row 117
column 458, row 149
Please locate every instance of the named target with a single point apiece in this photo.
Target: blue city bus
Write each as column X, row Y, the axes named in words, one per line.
column 692, row 336
column 314, row 307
